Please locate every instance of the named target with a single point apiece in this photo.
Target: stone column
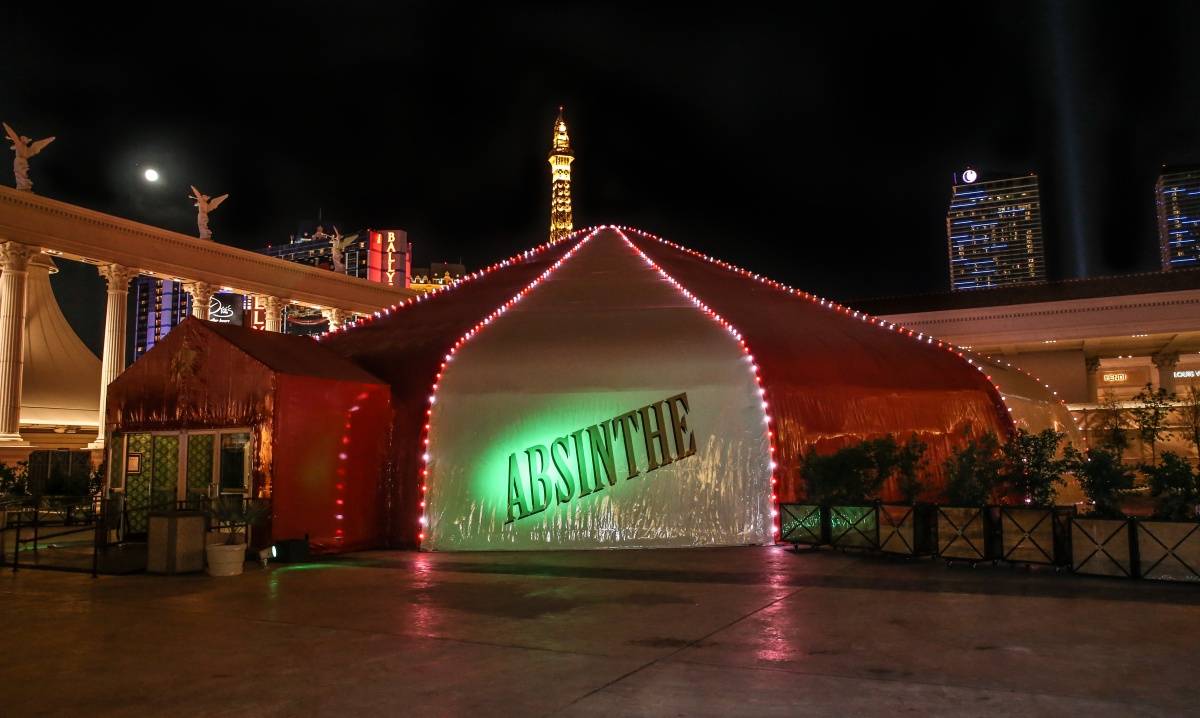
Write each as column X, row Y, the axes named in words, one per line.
column 336, row 317
column 275, row 307
column 115, row 316
column 201, row 295
column 1166, row 364
column 14, row 258
column 1092, row 365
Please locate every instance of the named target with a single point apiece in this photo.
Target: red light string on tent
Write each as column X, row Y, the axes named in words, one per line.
column 1000, row 398
column 449, row 357
column 473, row 276
column 762, row 392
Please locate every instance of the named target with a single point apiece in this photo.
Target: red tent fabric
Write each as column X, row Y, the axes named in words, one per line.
column 832, row 376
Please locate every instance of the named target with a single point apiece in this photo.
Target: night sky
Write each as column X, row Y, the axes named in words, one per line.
column 817, row 148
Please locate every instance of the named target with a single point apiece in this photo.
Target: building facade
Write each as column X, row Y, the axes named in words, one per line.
column 1177, row 200
column 159, row 306
column 377, row 255
column 994, row 230
column 1096, row 342
column 561, row 157
column 436, row 276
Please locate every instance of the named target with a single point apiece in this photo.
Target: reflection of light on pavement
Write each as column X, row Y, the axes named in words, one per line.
column 218, row 310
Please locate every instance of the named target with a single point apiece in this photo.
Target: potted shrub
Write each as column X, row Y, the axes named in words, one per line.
column 1034, row 531
column 1102, row 540
column 235, row 516
column 1168, row 547
column 964, row 524
column 907, row 528
column 843, row 483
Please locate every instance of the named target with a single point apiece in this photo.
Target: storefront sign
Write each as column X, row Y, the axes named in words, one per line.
column 382, row 264
column 584, row 461
column 226, row 308
column 1187, row 374
column 1115, row 377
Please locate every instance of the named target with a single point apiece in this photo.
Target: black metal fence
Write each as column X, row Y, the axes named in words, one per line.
column 76, row 534
column 1017, row 535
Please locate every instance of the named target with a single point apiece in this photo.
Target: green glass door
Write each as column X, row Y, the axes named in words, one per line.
column 199, row 466
column 164, row 472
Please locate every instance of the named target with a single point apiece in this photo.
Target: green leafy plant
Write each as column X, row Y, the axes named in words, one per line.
column 14, row 479
column 1103, row 477
column 910, row 462
column 1150, row 414
column 1173, row 484
column 843, row 477
column 1111, row 423
column 233, row 512
column 1189, row 417
column 1032, row 465
column 973, row 472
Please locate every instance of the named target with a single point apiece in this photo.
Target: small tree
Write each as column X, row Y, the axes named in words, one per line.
column 1103, row 477
column 14, row 479
column 1032, row 466
column 1111, row 423
column 1173, row 486
column 1150, row 416
column 852, row 474
column 836, row 478
column 973, row 471
column 1189, row 418
column 910, row 458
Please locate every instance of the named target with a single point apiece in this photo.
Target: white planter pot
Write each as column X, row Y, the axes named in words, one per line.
column 225, row 559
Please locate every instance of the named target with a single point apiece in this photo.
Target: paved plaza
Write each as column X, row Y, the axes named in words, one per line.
column 720, row 632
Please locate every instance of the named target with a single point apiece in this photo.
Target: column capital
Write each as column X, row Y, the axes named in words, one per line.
column 14, row 256
column 274, row 304
column 117, row 277
column 201, row 295
column 1166, row 361
column 336, row 316
column 1092, row 364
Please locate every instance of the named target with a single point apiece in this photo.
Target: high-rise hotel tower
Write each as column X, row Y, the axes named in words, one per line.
column 995, row 231
column 1177, row 194
column 561, row 158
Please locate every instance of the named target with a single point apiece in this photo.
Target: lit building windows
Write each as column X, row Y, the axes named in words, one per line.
column 994, row 229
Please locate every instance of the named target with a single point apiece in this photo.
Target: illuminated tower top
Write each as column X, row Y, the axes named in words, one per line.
column 561, row 157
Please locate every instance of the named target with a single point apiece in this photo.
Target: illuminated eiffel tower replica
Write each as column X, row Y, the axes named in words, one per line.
column 561, row 158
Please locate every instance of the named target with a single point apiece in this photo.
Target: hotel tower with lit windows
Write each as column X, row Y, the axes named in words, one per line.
column 561, row 157
column 994, row 228
column 1177, row 198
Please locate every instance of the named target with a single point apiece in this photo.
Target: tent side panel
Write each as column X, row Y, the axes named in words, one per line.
column 330, row 454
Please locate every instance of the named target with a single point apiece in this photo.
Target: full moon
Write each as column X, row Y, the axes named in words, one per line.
column 151, row 175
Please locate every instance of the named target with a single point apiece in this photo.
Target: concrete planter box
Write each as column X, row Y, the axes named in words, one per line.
column 1035, row 535
column 226, row 559
column 802, row 524
column 1102, row 547
column 1168, row 550
column 175, row 542
column 854, row 527
column 907, row 530
column 964, row 533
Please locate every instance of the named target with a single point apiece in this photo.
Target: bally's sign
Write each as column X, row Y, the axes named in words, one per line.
column 584, row 461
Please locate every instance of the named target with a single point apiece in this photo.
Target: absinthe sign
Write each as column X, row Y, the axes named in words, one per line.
column 584, row 462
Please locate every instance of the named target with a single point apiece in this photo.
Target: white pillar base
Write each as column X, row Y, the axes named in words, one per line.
column 13, row 440
column 97, row 445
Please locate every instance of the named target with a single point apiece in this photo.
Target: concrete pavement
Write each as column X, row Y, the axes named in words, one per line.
column 736, row 631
